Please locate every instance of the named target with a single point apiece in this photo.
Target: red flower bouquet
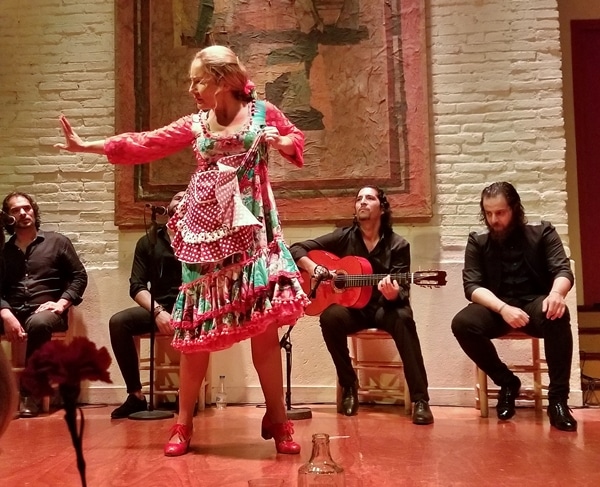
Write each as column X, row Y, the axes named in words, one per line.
column 65, row 366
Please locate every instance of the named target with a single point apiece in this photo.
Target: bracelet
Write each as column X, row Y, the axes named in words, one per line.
column 501, row 308
column 158, row 309
column 560, row 294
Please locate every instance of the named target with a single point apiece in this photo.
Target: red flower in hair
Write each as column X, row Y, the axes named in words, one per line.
column 249, row 88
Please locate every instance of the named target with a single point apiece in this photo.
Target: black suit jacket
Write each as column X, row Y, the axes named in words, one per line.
column 544, row 254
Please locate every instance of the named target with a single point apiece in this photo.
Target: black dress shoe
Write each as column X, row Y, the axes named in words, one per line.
column 421, row 413
column 348, row 405
column 132, row 404
column 29, row 407
column 506, row 399
column 560, row 416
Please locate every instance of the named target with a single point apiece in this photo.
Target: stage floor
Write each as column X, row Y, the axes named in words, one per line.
column 379, row 447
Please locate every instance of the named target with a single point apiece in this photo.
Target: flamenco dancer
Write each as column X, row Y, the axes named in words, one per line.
column 239, row 279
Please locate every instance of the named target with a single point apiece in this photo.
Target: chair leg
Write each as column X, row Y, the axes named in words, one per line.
column 482, row 393
column 204, row 387
column 18, row 352
column 407, row 401
column 535, row 367
column 46, row 404
column 395, row 367
column 537, row 374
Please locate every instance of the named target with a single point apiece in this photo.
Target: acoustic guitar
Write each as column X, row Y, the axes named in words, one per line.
column 353, row 281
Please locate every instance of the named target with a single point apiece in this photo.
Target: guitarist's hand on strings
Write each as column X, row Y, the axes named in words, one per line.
column 390, row 289
column 321, row 273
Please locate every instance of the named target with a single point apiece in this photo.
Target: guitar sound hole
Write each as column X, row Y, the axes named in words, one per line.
column 339, row 282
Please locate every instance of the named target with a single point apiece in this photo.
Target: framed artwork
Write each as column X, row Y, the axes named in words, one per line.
column 351, row 74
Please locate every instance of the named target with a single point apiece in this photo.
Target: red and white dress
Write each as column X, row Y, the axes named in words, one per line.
column 238, row 274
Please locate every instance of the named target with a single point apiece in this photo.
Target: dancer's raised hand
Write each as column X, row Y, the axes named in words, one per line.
column 74, row 143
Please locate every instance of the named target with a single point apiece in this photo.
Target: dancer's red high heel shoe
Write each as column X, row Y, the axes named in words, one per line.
column 185, row 435
column 282, row 434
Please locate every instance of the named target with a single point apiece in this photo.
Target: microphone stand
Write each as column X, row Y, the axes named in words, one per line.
column 292, row 413
column 152, row 413
column 286, row 344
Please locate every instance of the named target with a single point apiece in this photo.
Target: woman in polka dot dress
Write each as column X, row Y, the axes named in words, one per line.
column 239, row 279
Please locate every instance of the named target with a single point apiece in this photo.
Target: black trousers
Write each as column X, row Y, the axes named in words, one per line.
column 337, row 322
column 123, row 327
column 475, row 326
column 39, row 328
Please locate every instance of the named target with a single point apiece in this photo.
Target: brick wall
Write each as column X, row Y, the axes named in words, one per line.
column 57, row 56
column 497, row 108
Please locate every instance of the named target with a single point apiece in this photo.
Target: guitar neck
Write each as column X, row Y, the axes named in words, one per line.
column 360, row 280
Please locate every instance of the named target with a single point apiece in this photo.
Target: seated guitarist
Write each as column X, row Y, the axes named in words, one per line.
column 372, row 238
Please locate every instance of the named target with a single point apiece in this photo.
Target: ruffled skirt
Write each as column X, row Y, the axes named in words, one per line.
column 223, row 303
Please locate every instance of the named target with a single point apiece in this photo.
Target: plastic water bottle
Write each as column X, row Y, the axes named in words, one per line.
column 221, row 398
column 321, row 470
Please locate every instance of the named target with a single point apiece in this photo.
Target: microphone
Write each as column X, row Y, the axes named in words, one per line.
column 6, row 219
column 158, row 210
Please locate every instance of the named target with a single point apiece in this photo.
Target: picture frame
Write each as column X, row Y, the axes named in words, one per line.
column 352, row 75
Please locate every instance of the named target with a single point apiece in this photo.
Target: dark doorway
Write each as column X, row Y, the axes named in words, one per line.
column 585, row 45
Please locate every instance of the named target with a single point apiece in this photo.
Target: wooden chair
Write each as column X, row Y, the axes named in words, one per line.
column 374, row 374
column 537, row 366
column 166, row 369
column 17, row 360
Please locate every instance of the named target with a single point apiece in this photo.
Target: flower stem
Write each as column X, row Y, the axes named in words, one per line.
column 71, row 409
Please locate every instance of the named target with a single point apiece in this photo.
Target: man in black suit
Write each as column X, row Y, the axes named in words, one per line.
column 43, row 277
column 371, row 236
column 126, row 324
column 517, row 276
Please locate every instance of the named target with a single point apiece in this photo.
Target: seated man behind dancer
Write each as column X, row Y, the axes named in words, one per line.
column 371, row 237
column 130, row 322
column 42, row 278
column 517, row 276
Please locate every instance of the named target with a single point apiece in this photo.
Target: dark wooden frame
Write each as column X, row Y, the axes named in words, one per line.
column 408, row 183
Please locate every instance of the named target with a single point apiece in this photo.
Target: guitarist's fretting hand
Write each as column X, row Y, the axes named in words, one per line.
column 389, row 288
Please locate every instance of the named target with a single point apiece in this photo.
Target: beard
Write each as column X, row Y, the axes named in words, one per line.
column 502, row 235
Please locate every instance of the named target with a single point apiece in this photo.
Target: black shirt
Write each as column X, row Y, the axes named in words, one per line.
column 516, row 282
column 48, row 271
column 167, row 267
column 536, row 253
